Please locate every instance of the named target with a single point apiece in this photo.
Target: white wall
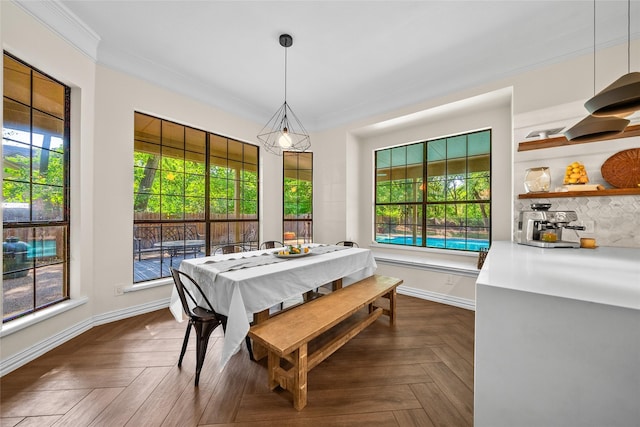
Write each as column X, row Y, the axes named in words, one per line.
column 492, row 112
column 118, row 96
column 103, row 104
column 25, row 38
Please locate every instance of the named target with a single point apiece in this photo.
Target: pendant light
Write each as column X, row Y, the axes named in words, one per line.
column 594, row 128
column 284, row 131
column 622, row 97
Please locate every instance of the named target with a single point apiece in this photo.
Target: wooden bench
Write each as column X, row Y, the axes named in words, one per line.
column 334, row 317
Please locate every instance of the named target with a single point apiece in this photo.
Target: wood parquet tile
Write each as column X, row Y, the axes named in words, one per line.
column 417, row 373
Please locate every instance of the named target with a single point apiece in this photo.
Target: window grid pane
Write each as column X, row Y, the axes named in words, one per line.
column 297, row 198
column 193, row 191
column 435, row 193
column 35, row 130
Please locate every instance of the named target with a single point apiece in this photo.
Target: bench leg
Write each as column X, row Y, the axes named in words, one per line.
column 273, row 363
column 300, row 378
column 391, row 312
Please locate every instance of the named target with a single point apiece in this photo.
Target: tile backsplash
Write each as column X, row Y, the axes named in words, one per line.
column 616, row 218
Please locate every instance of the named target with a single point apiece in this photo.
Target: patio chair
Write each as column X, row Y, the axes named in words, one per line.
column 229, row 249
column 203, row 319
column 270, row 244
column 347, row 243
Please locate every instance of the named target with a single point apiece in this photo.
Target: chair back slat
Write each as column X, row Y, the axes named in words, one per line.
column 347, row 243
column 229, row 249
column 204, row 320
column 184, row 292
column 270, row 244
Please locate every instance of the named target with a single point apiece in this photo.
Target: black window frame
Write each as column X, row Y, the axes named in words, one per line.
column 42, row 258
column 296, row 230
column 415, row 183
column 200, row 233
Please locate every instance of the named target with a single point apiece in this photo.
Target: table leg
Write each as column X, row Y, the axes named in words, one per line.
column 259, row 351
column 392, row 307
column 336, row 284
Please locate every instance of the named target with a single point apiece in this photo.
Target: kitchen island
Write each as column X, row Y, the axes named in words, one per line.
column 558, row 337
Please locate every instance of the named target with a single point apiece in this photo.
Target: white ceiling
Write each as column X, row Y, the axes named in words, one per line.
column 349, row 59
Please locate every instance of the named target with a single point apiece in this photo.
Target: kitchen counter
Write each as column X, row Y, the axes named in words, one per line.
column 603, row 275
column 557, row 337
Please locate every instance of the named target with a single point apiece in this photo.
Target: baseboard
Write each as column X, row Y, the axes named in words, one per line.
column 125, row 313
column 467, row 267
column 465, row 303
column 12, row 363
column 22, row 358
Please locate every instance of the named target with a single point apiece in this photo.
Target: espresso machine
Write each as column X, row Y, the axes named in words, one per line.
column 543, row 228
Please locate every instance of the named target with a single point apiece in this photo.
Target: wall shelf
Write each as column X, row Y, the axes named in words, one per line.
column 596, row 193
column 561, row 141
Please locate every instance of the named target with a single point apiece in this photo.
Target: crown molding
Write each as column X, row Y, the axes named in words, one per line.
column 55, row 16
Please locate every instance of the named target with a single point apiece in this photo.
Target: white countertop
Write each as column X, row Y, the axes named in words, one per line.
column 605, row 275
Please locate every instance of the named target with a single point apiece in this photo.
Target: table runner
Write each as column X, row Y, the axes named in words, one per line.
column 214, row 267
column 325, row 249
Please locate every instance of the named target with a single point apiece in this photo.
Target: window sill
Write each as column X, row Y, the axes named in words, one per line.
column 42, row 315
column 438, row 260
column 148, row 285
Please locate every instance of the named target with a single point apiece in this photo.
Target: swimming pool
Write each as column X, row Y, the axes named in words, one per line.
column 437, row 242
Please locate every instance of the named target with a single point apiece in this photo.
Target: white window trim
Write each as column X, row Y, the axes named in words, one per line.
column 24, row 322
column 149, row 284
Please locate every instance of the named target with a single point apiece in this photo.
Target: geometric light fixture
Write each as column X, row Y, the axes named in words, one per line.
column 284, row 131
column 592, row 127
column 622, row 97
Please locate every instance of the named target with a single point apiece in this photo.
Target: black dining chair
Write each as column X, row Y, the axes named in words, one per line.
column 203, row 319
column 229, row 249
column 270, row 244
column 347, row 243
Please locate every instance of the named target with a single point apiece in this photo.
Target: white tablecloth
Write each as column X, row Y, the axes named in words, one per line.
column 240, row 293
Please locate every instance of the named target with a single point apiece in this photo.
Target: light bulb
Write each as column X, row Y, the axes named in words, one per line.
column 285, row 139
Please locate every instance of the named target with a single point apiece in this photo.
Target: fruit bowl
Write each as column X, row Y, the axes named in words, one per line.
column 575, row 174
column 289, row 254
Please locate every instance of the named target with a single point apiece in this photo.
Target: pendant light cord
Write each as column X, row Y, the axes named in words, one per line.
column 628, row 41
column 285, row 75
column 628, row 36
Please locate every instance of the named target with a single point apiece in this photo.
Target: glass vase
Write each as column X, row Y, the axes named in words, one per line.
column 537, row 180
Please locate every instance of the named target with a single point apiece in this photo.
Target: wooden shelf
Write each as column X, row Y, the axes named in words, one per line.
column 561, row 141
column 596, row 193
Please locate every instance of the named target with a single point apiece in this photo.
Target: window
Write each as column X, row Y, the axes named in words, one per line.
column 436, row 193
column 35, row 157
column 297, row 197
column 234, row 193
column 193, row 191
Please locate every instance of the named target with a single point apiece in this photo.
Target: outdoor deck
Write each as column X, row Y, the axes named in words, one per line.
column 156, row 266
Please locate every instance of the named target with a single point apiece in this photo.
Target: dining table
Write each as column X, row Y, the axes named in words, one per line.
column 245, row 286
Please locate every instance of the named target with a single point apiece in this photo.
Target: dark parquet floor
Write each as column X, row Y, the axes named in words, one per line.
column 417, row 373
